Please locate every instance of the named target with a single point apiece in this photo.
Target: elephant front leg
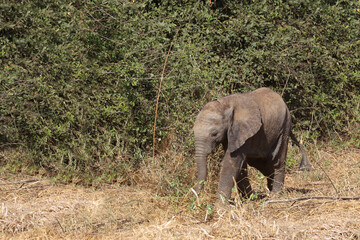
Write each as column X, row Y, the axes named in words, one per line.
column 231, row 169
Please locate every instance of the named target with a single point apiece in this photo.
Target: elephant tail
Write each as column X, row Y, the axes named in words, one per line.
column 304, row 164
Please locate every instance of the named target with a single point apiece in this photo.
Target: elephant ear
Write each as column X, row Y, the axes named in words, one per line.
column 244, row 123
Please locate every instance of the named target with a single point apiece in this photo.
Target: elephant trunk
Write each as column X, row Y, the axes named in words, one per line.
column 201, row 162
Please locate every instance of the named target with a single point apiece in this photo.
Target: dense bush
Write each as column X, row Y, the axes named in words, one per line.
column 79, row 79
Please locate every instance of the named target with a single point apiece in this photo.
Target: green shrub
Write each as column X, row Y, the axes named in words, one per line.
column 79, row 79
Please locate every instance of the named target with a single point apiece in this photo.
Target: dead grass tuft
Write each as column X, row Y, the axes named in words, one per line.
column 146, row 210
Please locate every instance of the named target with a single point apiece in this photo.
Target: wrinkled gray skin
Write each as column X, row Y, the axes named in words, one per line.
column 254, row 129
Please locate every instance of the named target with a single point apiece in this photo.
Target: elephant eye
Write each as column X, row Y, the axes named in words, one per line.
column 214, row 134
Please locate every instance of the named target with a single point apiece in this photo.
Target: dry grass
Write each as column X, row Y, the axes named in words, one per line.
column 45, row 210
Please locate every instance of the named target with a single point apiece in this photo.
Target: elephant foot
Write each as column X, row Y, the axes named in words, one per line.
column 223, row 203
column 276, row 186
column 222, row 207
column 306, row 167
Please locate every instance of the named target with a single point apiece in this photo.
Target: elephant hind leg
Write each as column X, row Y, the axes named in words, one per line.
column 265, row 166
column 279, row 169
column 275, row 176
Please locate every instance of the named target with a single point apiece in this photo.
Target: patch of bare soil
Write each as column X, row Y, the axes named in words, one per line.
column 40, row 209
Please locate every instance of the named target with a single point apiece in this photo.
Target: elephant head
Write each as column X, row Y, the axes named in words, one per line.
column 231, row 121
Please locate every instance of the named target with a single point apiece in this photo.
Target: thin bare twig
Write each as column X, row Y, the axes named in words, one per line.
column 311, row 198
column 158, row 97
column 60, row 225
column 20, row 182
column 286, row 83
column 319, row 165
column 9, row 144
column 125, row 179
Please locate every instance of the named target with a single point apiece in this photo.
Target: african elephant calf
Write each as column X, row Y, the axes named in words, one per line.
column 254, row 129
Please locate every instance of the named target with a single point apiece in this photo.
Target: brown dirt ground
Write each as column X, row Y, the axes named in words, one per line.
column 45, row 210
